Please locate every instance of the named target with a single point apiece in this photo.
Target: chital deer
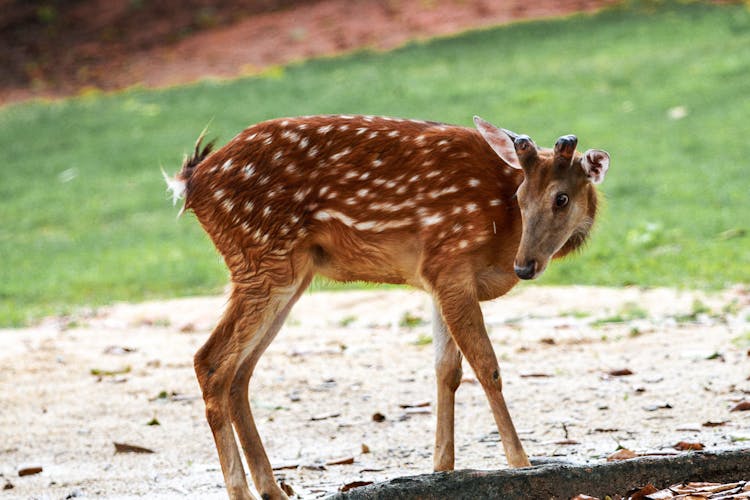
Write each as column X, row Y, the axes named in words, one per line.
column 458, row 212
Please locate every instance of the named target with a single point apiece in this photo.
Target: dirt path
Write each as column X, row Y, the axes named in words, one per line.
column 112, row 44
column 343, row 357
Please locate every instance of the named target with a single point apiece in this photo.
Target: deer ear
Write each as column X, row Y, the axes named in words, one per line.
column 499, row 140
column 595, row 163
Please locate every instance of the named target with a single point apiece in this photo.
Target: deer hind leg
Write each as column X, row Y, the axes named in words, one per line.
column 463, row 316
column 448, row 373
column 251, row 313
column 258, row 462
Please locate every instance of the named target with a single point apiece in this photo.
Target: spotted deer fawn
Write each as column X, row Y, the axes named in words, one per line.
column 457, row 212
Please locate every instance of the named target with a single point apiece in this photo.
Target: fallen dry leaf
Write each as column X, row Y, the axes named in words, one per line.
column 685, row 446
column 741, row 406
column 620, row 373
column 109, row 373
column 129, row 448
column 286, row 465
column 365, row 448
column 711, row 423
column 354, row 484
column 642, row 493
column 287, row 488
column 341, row 461
column 8, row 485
column 29, row 470
column 566, row 442
column 325, row 416
column 622, row 454
column 418, row 404
column 536, row 375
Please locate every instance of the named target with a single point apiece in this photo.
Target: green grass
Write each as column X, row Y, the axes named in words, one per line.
column 84, row 219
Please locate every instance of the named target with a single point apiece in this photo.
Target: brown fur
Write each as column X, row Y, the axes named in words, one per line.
column 365, row 198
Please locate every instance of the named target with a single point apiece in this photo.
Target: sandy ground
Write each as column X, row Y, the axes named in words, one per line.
column 345, row 356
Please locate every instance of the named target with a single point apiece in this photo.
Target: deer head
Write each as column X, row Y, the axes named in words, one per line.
column 557, row 197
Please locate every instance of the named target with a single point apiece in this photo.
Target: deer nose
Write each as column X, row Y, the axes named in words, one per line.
column 527, row 271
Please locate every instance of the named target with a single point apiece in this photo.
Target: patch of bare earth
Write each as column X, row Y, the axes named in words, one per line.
column 113, row 44
column 585, row 370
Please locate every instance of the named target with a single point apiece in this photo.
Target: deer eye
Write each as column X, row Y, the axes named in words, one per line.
column 561, row 200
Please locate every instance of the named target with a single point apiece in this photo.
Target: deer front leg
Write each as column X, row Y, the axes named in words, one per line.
column 448, row 375
column 463, row 316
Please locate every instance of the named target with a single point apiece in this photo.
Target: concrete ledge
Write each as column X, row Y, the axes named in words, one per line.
column 562, row 480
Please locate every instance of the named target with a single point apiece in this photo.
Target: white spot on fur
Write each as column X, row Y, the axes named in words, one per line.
column 323, row 190
column 361, row 130
column 443, row 142
column 393, row 133
column 266, row 211
column 312, row 152
column 248, row 206
column 227, row 165
column 363, row 192
column 463, row 244
column 378, row 182
column 251, row 136
column 325, row 215
column 494, row 228
column 248, row 170
column 268, row 140
column 372, row 134
column 301, row 194
column 432, row 219
column 351, row 174
column 277, row 156
column 364, row 176
column 245, row 227
column 496, row 202
column 325, row 129
column 341, row 154
column 471, row 207
column 227, row 205
column 218, row 194
column 390, row 184
column 414, row 178
column 285, row 123
column 442, row 192
column 303, row 142
column 343, row 128
column 401, row 190
column 377, row 162
column 473, row 182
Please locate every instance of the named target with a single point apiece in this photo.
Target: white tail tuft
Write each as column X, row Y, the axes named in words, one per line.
column 175, row 186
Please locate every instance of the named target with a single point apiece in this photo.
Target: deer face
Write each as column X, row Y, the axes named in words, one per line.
column 557, row 197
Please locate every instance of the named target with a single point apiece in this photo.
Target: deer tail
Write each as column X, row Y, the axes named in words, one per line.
column 178, row 185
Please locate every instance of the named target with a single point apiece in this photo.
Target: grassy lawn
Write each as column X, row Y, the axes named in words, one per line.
column 85, row 220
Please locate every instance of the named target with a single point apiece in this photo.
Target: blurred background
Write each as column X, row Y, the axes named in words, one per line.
column 97, row 95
